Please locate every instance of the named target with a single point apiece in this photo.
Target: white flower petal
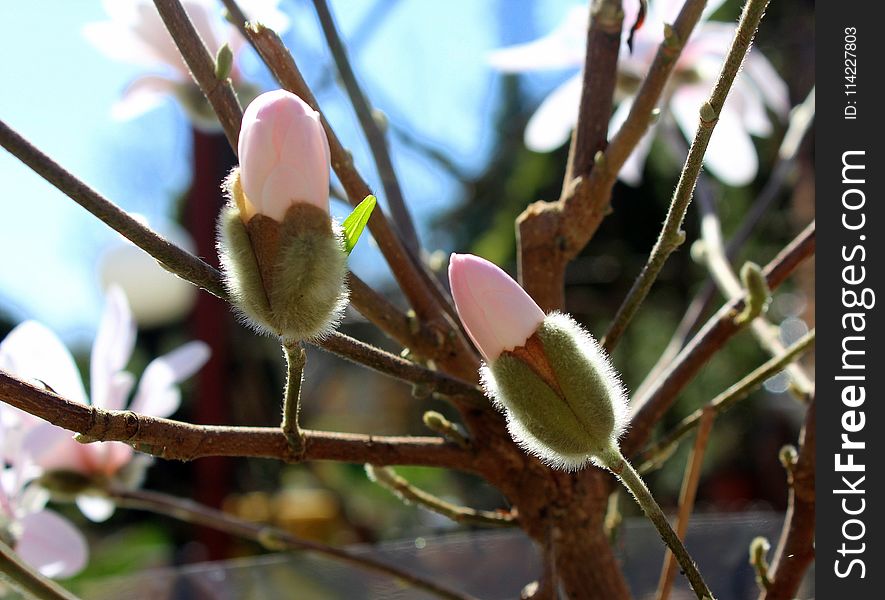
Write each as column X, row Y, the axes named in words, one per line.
column 562, row 48
column 142, row 95
column 113, row 345
column 266, row 12
column 553, row 121
column 773, row 89
column 747, row 102
column 157, row 393
column 97, row 509
column 631, row 171
column 666, row 11
column 52, row 545
column 32, row 351
column 118, row 43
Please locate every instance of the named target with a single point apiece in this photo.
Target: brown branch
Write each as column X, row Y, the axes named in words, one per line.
column 795, row 550
column 649, row 408
column 271, row 538
column 219, row 92
column 719, row 266
column 598, row 87
column 665, row 446
column 374, row 136
column 399, row 486
column 176, row 440
column 173, row 258
column 686, row 499
column 550, row 234
column 389, row 364
column 640, row 115
column 401, row 327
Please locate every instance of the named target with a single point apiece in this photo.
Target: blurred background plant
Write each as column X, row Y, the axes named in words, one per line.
column 455, row 127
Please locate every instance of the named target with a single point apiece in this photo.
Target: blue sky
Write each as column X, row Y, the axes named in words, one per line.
column 422, row 62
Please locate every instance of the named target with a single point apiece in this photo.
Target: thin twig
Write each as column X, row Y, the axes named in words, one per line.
column 219, row 92
column 795, row 550
column 722, row 273
column 732, row 395
column 173, row 258
column 597, row 87
column 20, row 575
column 686, row 499
column 271, row 538
column 672, row 236
column 374, row 136
column 648, row 409
column 408, row 493
column 613, row 460
column 176, row 440
column 640, row 115
column 402, row 327
column 400, row 368
column 295, row 359
column 801, row 120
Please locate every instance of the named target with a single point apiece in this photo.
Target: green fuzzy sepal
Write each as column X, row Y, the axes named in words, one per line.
column 580, row 415
column 298, row 290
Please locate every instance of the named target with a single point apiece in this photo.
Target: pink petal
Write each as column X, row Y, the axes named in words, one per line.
column 553, row 121
column 52, row 545
column 32, row 351
column 113, row 347
column 284, row 154
column 157, row 393
column 562, row 48
column 55, row 449
column 497, row 313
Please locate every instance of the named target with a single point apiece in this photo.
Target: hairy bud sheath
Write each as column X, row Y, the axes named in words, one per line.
column 282, row 255
column 563, row 400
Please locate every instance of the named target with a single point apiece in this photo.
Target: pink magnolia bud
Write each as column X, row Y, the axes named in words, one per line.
column 284, row 156
column 497, row 313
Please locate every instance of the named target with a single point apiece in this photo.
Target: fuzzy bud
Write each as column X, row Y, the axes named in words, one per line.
column 283, row 257
column 562, row 398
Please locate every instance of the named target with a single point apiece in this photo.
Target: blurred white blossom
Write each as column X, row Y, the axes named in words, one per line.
column 731, row 156
column 44, row 539
column 32, row 352
column 135, row 34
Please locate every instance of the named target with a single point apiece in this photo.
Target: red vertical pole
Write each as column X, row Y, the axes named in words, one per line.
column 211, row 323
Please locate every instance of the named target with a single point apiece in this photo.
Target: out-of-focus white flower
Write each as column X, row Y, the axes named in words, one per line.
column 731, row 156
column 156, row 296
column 41, row 537
column 32, row 352
column 135, row 33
